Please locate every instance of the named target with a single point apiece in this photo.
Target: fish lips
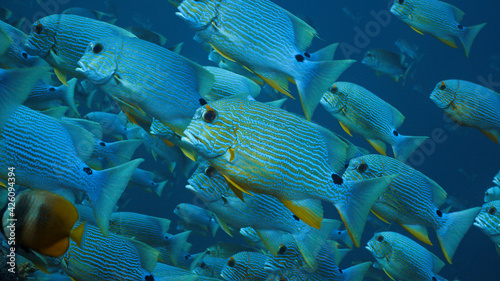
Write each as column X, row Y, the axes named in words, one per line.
column 92, row 75
column 34, row 51
column 195, row 143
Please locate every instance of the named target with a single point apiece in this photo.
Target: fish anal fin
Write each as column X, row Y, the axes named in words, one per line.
column 305, row 211
column 416, row 30
column 379, row 146
column 419, row 231
column 279, row 86
column 345, row 128
column 448, row 41
column 61, row 76
column 380, row 217
column 270, row 239
column 222, row 53
column 388, row 274
column 491, row 134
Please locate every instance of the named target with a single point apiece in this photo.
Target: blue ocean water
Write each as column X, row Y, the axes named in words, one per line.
column 463, row 161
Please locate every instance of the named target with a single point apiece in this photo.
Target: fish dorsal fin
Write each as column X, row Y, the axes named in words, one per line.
column 337, row 148
column 419, row 231
column 148, row 254
column 304, row 33
column 205, row 79
column 379, row 146
column 437, row 264
column 56, row 112
column 448, row 41
column 459, row 14
column 271, row 239
column 83, row 140
column 416, row 30
column 309, row 211
column 397, row 117
column 346, row 129
column 438, row 193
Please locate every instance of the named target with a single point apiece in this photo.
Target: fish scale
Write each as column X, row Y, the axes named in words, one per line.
column 248, row 266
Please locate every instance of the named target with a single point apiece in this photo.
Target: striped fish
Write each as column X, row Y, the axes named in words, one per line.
column 272, row 221
column 288, row 257
column 403, row 259
column 267, row 40
column 142, row 75
column 175, row 252
column 413, row 200
column 488, row 220
column 146, row 180
column 210, row 267
column 196, row 219
column 44, row 96
column 109, row 258
column 15, row 55
column 170, row 273
column 245, row 266
column 227, row 84
column 492, row 194
column 469, row 105
column 440, row 19
column 267, row 150
column 112, row 124
column 362, row 112
column 385, row 62
column 62, row 39
column 225, row 250
column 50, row 154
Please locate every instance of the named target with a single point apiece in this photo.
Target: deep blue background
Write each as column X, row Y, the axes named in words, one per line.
column 463, row 165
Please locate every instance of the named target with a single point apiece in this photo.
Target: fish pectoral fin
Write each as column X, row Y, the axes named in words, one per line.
column 379, row 146
column 491, row 134
column 224, row 226
column 380, row 217
column 237, row 189
column 308, row 210
column 388, row 274
column 448, row 41
column 222, row 53
column 61, row 76
column 279, row 82
column 77, row 234
column 419, row 231
column 416, row 30
column 189, row 153
column 345, row 128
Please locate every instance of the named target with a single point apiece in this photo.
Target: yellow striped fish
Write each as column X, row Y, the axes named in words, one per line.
column 267, row 40
column 147, row 79
column 62, row 39
column 488, row 220
column 469, row 105
column 403, row 259
column 264, row 149
column 362, row 112
column 413, row 200
column 440, row 19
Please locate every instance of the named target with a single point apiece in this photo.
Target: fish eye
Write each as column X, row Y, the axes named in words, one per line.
column 380, row 238
column 24, row 54
column 231, row 262
column 203, row 264
column 87, row 170
column 38, row 28
column 102, row 143
column 362, row 167
column 149, row 278
column 442, row 87
column 52, row 89
column 210, row 171
column 492, row 211
column 340, row 270
column 283, row 278
column 369, row 55
column 209, row 115
column 97, row 48
column 333, row 89
column 282, row 250
column 153, row 183
column 401, row 2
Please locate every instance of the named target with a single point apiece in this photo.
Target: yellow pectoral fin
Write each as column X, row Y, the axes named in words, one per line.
column 275, row 85
column 189, row 153
column 449, row 41
column 237, row 189
column 130, row 117
column 418, row 31
column 167, row 142
column 126, row 104
column 388, row 274
column 61, row 76
column 222, row 54
column 345, row 128
column 291, row 80
column 380, row 217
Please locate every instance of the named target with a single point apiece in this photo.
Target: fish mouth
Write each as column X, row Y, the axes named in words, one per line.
column 195, row 143
column 82, row 68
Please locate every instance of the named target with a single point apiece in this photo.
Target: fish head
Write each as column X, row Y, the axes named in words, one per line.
column 403, row 9
column 42, row 38
column 198, row 14
column 444, row 94
column 236, row 267
column 207, row 183
column 100, row 60
column 213, row 130
column 335, row 99
column 380, row 246
column 492, row 194
column 488, row 219
column 371, row 59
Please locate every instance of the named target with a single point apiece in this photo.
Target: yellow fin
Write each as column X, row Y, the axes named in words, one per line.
column 449, row 42
column 130, row 117
column 418, row 31
column 222, row 54
column 380, row 217
column 3, row 185
column 419, row 231
column 189, row 153
column 491, row 135
column 379, row 146
column 167, row 142
column 224, row 226
column 304, row 213
column 123, row 103
column 345, row 128
column 291, row 80
column 275, row 85
column 61, row 76
column 388, row 274
column 497, row 247
column 238, row 190
column 77, row 233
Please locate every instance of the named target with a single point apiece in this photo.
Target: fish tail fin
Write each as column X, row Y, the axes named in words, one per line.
column 406, row 145
column 121, row 152
column 106, row 188
column 451, row 232
column 159, row 188
column 69, row 97
column 315, row 79
column 15, row 87
column 310, row 241
column 356, row 205
column 177, row 245
column 357, row 272
column 469, row 35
